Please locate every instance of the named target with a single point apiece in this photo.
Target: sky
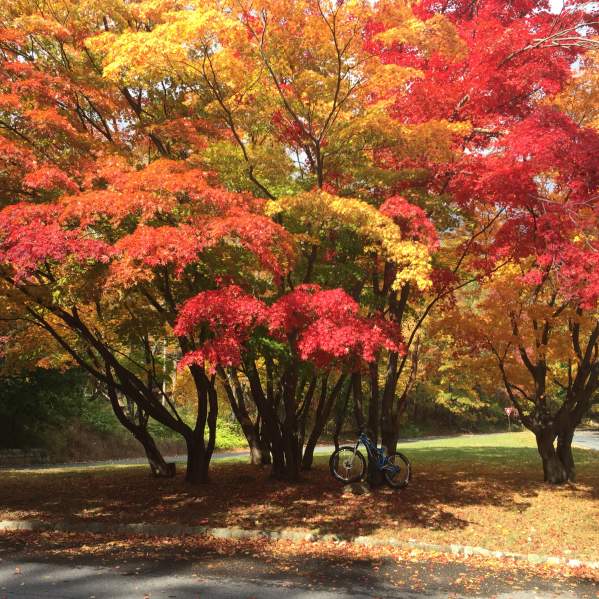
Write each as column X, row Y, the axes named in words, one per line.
column 556, row 5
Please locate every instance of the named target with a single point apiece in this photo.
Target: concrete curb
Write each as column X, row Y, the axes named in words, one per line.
column 174, row 530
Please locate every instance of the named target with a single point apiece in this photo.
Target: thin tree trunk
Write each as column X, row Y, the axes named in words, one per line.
column 325, row 405
column 303, row 412
column 278, row 458
column 263, row 442
column 270, row 420
column 356, row 386
column 340, row 420
column 290, row 427
column 389, row 431
column 259, row 454
column 211, row 421
column 292, row 453
column 158, row 466
column 373, row 406
column 199, row 452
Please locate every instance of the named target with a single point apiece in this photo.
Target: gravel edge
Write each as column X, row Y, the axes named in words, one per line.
column 173, row 530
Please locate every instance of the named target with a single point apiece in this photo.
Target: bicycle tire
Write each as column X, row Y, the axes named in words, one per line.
column 401, row 479
column 334, row 465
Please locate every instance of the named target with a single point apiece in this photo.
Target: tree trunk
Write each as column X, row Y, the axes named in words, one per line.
column 278, row 458
column 373, row 406
column 564, row 452
column 375, row 476
column 286, row 456
column 159, row 467
column 340, row 420
column 236, row 394
column 259, row 454
column 211, row 421
column 308, row 457
column 323, row 412
column 356, row 385
column 292, row 451
column 199, row 452
column 263, row 442
column 389, row 432
column 290, row 430
column 389, row 440
column 553, row 469
column 282, row 437
column 391, row 435
column 197, row 461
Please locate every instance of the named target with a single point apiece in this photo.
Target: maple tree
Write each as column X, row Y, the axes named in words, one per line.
column 294, row 189
column 545, row 348
column 537, row 317
column 306, row 334
column 108, row 267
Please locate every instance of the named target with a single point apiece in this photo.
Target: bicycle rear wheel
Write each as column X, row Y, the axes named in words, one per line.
column 398, row 471
column 346, row 465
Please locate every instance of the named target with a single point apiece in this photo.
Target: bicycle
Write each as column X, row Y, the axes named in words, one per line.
column 348, row 465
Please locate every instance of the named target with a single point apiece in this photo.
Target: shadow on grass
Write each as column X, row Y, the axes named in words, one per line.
column 450, row 486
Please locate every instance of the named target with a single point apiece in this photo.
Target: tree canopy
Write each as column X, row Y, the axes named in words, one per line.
column 284, row 193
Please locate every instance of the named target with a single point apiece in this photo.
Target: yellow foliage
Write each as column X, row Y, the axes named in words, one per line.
column 380, row 234
column 167, row 48
column 580, row 99
column 435, row 35
column 433, row 139
column 390, row 76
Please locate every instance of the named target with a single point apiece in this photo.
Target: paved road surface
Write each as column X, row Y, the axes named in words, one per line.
column 243, row 578
column 587, row 439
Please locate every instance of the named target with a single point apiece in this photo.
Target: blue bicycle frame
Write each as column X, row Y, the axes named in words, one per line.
column 375, row 454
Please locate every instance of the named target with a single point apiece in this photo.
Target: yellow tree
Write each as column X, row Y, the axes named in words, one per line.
column 544, row 344
column 304, row 100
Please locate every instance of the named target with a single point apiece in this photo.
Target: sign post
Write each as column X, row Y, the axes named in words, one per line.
column 510, row 411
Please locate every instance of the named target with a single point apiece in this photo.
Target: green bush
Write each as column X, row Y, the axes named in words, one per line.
column 228, row 432
column 229, row 435
column 34, row 403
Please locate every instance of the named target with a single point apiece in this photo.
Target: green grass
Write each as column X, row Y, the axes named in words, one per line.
column 506, row 448
column 517, row 451
column 507, row 440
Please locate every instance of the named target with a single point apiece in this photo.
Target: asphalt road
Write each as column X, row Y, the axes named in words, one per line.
column 589, row 439
column 244, row 578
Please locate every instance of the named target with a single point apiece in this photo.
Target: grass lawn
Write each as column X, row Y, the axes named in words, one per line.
column 471, row 490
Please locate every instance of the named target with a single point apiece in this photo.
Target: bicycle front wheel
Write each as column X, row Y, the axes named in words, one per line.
column 347, row 465
column 398, row 470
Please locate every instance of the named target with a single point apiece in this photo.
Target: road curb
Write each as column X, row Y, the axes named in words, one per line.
column 175, row 530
